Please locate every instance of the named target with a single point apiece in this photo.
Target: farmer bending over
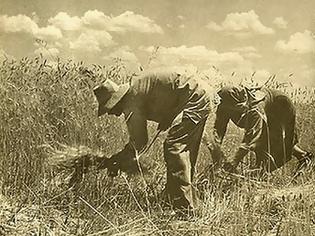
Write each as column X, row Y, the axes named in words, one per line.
column 268, row 118
column 172, row 100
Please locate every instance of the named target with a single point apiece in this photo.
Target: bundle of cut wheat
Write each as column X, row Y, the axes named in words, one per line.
column 77, row 160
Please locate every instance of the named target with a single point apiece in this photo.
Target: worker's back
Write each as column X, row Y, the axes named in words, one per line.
column 163, row 94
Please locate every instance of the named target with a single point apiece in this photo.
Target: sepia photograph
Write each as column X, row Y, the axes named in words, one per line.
column 157, row 117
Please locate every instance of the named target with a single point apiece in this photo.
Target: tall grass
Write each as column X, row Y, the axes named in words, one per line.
column 45, row 106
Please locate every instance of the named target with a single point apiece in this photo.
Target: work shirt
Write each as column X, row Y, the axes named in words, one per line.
column 234, row 106
column 262, row 122
column 161, row 96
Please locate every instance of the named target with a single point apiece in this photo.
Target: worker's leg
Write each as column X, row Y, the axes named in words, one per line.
column 180, row 152
column 195, row 144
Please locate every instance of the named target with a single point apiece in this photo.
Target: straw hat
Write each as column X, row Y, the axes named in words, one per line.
column 109, row 94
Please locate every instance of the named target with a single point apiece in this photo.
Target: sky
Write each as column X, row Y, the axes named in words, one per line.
column 238, row 38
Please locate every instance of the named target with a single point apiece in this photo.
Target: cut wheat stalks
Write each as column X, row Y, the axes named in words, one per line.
column 77, row 160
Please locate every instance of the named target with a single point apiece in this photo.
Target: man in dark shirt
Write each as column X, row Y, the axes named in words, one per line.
column 269, row 124
column 173, row 100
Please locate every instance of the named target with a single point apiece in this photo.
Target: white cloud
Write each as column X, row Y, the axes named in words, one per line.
column 248, row 52
column 92, row 27
column 96, row 19
column 18, row 23
column 129, row 21
column 298, row 43
column 243, row 22
column 65, row 22
column 245, row 49
column 47, row 52
column 214, row 26
column 262, row 75
column 177, row 55
column 85, row 43
column 35, row 17
column 280, row 22
column 92, row 41
column 182, row 26
column 124, row 53
column 204, row 59
column 22, row 23
column 252, row 55
column 48, row 32
column 180, row 17
column 299, row 75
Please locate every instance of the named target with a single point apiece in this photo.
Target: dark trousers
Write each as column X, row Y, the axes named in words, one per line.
column 180, row 152
column 279, row 136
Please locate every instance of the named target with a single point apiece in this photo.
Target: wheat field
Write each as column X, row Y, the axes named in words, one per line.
column 50, row 106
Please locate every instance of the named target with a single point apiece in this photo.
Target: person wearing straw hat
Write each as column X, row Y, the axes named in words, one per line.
column 178, row 103
column 268, row 118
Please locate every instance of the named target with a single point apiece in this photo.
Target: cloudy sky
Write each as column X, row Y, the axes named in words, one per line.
column 240, row 36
